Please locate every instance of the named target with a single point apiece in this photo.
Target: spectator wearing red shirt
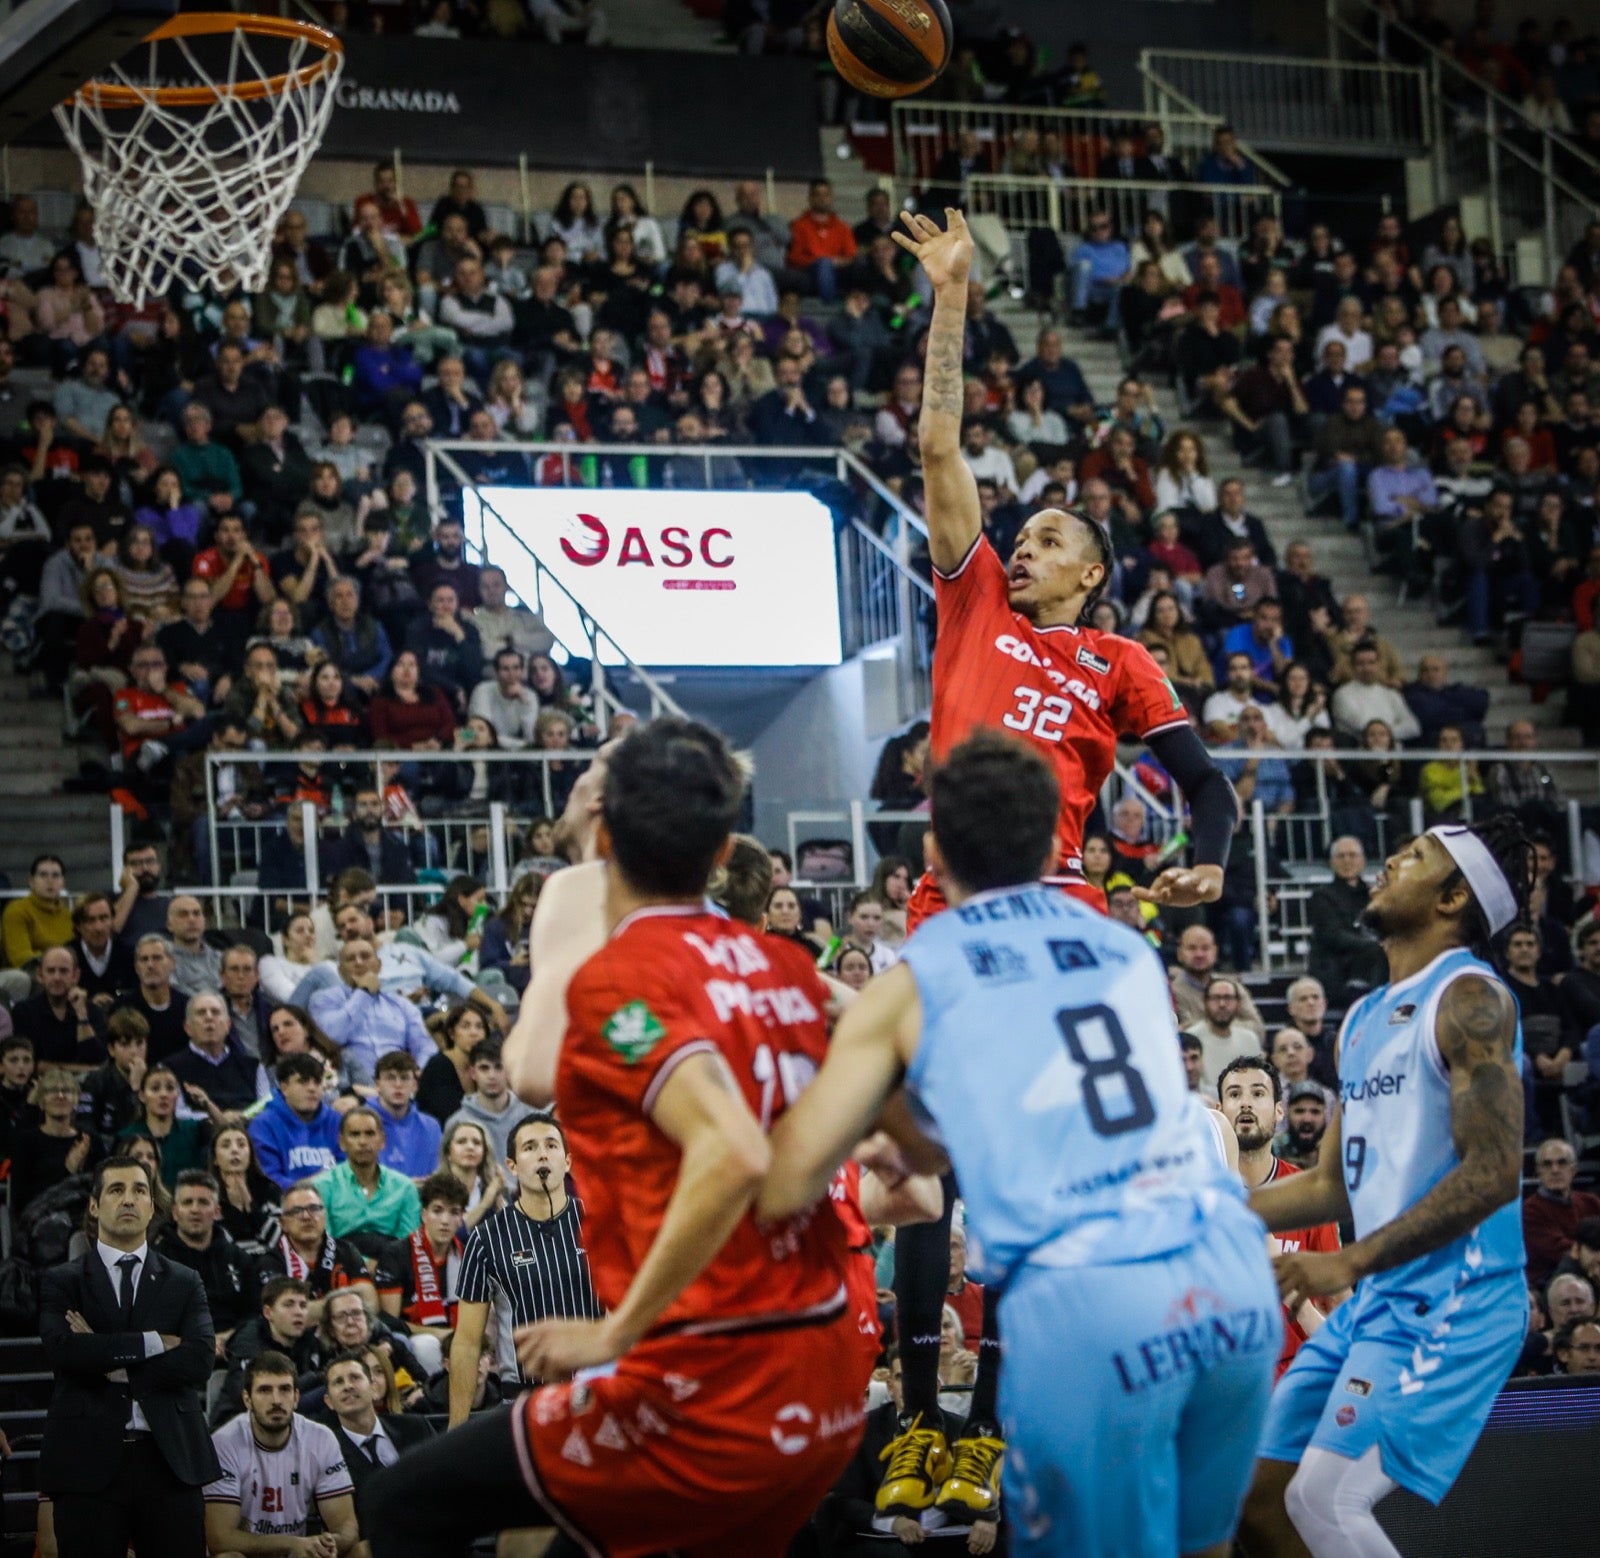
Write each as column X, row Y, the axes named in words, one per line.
column 398, row 212
column 410, row 715
column 965, row 1297
column 1208, row 278
column 239, row 576
column 1583, row 598
column 820, row 241
column 155, row 717
column 1552, row 1211
column 1118, row 464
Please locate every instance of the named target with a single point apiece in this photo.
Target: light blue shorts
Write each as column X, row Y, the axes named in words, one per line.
column 1419, row 1386
column 1133, row 1396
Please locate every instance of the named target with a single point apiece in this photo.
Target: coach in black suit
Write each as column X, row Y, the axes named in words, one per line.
column 369, row 1441
column 129, row 1339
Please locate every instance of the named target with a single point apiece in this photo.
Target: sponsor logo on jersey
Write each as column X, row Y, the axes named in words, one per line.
column 1093, row 662
column 1358, row 1387
column 609, row 1435
column 1007, row 644
column 995, row 964
column 577, row 1450
column 1196, row 1344
column 1345, row 1416
column 791, row 1428
column 1402, row 1014
column 787, row 1005
column 1072, row 955
column 633, row 1031
column 1386, row 1084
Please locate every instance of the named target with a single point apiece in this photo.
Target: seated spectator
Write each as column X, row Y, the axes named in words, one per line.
column 157, row 717
column 296, row 1134
column 1364, row 698
column 1347, row 958
column 1259, row 775
column 44, row 1154
column 1347, row 447
column 1500, row 588
column 1461, row 422
column 328, row 714
column 266, row 707
column 196, row 1239
column 1401, row 496
column 1066, row 389
column 1183, row 481
column 305, row 569
column 411, row 1137
column 238, row 575
column 1206, row 355
column 368, row 845
column 1190, row 668
column 1100, row 268
column 174, row 522
column 361, row 1196
column 109, row 1100
column 1262, row 638
column 452, row 400
column 820, row 241
column 1300, row 707
column 447, row 650
column 1445, row 783
column 385, row 374
column 362, row 1018
column 1453, row 384
column 61, row 611
column 1234, row 587
column 1224, row 708
column 1348, row 329
column 84, row 402
column 1268, row 411
column 1552, row 1211
column 1209, row 283
column 353, row 640
column 482, row 319
column 1222, row 1032
column 234, row 398
column 1357, row 629
column 506, row 702
column 501, row 625
column 1226, row 164
column 197, row 964
column 1436, row 701
column 67, row 312
column 492, row 1106
column 215, row 1073
column 785, row 417
column 444, row 561
column 60, row 1023
column 31, row 925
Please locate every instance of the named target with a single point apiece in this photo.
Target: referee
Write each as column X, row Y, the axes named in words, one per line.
column 528, row 1258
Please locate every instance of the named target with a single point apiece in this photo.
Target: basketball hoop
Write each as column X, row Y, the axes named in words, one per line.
column 190, row 169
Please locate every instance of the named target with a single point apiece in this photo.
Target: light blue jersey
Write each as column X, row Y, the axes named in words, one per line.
column 1412, row 1363
column 1050, row 1069
column 1138, row 1313
column 1394, row 1092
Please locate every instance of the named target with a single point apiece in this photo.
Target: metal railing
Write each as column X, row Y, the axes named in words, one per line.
column 1485, row 142
column 1296, row 103
column 1062, row 142
column 1064, row 204
column 882, row 596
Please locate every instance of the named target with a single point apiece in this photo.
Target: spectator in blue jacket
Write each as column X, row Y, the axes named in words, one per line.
column 1437, row 702
column 352, row 639
column 297, row 1134
column 384, row 376
column 1101, row 267
column 1263, row 639
column 410, row 1137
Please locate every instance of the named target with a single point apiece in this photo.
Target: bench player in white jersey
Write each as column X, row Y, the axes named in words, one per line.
column 1036, row 1043
column 277, row 1467
column 1425, row 1157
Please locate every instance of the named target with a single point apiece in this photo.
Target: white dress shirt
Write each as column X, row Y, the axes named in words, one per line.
column 377, row 1441
column 109, row 1256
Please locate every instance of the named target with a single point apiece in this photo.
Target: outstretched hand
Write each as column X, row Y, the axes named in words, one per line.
column 946, row 256
column 1183, row 887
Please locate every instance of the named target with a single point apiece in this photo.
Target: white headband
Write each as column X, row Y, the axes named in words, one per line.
column 1484, row 876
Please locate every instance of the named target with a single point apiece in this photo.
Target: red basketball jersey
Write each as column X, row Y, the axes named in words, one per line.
column 673, row 983
column 1069, row 692
column 1322, row 1240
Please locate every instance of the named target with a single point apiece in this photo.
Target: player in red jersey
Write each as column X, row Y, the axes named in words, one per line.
column 1011, row 655
column 734, row 1396
column 1251, row 1094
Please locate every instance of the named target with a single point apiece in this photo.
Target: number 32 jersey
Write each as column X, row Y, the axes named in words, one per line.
column 1049, row 1068
column 1068, row 692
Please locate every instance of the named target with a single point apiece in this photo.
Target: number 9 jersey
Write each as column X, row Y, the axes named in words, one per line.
column 1049, row 1059
column 1068, row 692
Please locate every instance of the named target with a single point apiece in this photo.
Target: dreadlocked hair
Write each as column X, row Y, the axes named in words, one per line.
column 1513, row 851
column 1102, row 542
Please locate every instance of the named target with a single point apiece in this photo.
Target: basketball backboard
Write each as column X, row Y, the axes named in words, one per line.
column 49, row 48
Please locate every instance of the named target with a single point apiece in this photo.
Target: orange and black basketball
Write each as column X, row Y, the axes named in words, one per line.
column 889, row 48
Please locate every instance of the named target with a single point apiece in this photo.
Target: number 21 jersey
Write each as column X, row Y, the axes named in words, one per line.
column 1068, row 692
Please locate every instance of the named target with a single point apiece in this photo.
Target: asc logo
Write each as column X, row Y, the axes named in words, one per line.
column 588, row 544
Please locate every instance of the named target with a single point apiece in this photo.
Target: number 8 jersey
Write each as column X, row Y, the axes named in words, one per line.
column 1049, row 1058
column 1068, row 692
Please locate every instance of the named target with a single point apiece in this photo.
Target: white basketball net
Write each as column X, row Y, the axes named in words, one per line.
column 194, row 194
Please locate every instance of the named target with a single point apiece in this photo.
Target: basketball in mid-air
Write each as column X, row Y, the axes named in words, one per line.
column 889, row 48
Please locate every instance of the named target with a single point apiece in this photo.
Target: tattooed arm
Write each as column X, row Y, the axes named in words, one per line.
column 955, row 519
column 1476, row 1033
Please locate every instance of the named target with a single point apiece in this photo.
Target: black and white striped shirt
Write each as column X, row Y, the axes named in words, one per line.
column 528, row 1270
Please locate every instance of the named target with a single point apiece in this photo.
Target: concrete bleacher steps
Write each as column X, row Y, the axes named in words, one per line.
column 663, row 24
column 25, row 1385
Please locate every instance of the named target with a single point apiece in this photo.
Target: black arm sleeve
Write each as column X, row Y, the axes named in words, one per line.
column 1213, row 807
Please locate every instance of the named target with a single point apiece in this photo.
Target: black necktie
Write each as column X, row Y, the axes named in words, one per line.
column 127, row 1266
column 369, row 1448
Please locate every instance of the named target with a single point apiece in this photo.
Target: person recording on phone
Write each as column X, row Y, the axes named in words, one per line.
column 1232, row 588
